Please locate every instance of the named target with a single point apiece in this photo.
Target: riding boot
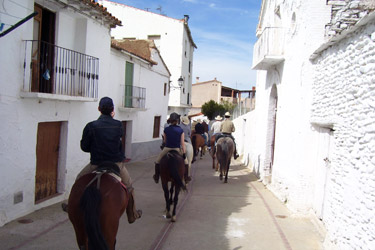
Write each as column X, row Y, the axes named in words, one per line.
column 235, row 156
column 187, row 177
column 157, row 173
column 130, row 211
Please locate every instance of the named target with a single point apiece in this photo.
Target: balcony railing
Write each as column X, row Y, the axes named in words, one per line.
column 133, row 97
column 55, row 70
column 269, row 49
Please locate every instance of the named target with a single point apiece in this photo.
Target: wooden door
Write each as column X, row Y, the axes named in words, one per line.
column 35, row 51
column 47, row 154
column 43, row 50
column 321, row 170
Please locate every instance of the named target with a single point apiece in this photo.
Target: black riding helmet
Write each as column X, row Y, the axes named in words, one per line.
column 174, row 117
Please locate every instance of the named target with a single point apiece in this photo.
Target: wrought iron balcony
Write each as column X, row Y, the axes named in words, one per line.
column 269, row 49
column 55, row 70
column 133, row 97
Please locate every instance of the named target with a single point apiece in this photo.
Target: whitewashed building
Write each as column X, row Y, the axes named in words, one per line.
column 140, row 81
column 54, row 69
column 311, row 136
column 174, row 41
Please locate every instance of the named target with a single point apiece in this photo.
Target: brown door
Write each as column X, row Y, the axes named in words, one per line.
column 35, row 53
column 47, row 153
column 43, row 50
column 123, row 139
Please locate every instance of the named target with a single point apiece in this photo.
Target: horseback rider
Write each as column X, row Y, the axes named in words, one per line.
column 174, row 139
column 199, row 129
column 102, row 139
column 226, row 128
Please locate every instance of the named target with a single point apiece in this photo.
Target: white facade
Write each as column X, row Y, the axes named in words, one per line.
column 173, row 39
column 310, row 138
column 140, row 143
column 25, row 111
column 344, row 100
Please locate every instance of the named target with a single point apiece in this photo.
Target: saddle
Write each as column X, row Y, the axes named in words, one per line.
column 109, row 168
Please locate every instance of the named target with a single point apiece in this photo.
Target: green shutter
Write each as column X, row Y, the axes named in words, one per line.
column 129, row 72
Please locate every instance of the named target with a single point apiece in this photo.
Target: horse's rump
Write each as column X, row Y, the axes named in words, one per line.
column 225, row 149
column 172, row 168
column 94, row 211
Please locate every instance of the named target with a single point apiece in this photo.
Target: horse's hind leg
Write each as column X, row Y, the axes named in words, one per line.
column 171, row 194
column 226, row 174
column 167, row 200
column 174, row 218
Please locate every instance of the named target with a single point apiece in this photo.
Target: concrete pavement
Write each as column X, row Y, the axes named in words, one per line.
column 241, row 214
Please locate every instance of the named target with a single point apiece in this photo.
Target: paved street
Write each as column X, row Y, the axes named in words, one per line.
column 242, row 214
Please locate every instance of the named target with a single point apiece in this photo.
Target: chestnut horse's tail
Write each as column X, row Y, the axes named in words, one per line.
column 174, row 163
column 193, row 143
column 90, row 205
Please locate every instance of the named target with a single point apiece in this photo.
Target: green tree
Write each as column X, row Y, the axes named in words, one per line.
column 212, row 109
column 228, row 106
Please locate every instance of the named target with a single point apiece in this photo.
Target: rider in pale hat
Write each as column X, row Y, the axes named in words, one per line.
column 227, row 127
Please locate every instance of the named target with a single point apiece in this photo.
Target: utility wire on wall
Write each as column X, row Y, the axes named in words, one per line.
column 21, row 19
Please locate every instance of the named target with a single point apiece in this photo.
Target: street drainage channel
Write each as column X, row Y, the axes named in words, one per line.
column 25, row 221
column 281, row 216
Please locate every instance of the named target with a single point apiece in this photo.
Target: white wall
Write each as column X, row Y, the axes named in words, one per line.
column 140, row 143
column 18, row 131
column 291, row 169
column 140, row 24
column 344, row 96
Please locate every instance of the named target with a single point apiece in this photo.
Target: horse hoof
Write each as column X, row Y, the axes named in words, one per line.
column 221, row 178
column 173, row 218
column 225, row 181
column 168, row 215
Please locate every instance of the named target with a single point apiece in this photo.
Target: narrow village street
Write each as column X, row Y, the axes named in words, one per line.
column 242, row 214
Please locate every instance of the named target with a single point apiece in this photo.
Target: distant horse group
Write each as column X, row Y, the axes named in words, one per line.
column 98, row 200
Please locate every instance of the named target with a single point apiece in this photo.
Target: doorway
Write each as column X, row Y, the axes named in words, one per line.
column 322, row 169
column 47, row 154
column 271, row 134
column 43, row 50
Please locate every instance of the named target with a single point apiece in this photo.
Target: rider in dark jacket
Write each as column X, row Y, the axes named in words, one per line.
column 102, row 138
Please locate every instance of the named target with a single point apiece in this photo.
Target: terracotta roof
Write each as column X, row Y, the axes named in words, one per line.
column 100, row 11
column 140, row 48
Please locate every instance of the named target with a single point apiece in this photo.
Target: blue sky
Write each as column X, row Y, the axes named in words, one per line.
column 224, row 32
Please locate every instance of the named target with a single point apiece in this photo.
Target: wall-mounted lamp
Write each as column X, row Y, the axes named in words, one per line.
column 180, row 81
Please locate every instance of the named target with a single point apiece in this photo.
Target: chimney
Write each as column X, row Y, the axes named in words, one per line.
column 215, row 79
column 197, row 79
column 186, row 17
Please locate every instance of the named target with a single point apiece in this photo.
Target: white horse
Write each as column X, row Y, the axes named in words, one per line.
column 189, row 155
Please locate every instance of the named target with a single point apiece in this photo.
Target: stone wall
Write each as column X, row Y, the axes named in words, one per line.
column 346, row 13
column 344, row 95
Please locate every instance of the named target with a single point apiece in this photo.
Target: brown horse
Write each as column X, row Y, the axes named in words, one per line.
column 198, row 143
column 96, row 203
column 172, row 169
column 225, row 149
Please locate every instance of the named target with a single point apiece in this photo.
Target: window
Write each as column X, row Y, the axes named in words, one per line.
column 156, row 127
column 165, row 89
column 189, row 66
